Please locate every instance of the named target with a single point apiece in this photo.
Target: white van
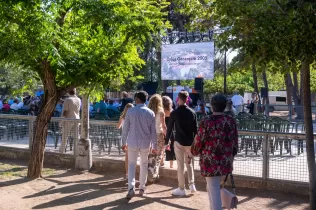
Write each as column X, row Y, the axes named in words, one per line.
column 277, row 100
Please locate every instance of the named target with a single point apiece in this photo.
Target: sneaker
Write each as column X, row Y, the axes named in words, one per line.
column 178, row 192
column 141, row 192
column 130, row 194
column 192, row 188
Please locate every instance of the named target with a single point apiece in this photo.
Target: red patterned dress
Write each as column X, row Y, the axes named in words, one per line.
column 216, row 143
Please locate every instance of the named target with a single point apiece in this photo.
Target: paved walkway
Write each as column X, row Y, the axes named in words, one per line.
column 73, row 190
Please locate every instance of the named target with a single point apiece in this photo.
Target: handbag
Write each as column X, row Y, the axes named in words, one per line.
column 229, row 200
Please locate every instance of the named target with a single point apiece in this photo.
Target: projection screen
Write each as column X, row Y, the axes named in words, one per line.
column 187, row 61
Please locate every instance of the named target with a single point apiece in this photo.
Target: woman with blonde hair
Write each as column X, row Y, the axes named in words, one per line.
column 120, row 124
column 155, row 104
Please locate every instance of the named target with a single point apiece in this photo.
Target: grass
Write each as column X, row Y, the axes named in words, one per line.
column 9, row 170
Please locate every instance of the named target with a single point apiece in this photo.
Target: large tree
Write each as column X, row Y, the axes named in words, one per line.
column 72, row 43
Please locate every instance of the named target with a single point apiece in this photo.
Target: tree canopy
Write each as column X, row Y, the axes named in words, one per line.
column 85, row 43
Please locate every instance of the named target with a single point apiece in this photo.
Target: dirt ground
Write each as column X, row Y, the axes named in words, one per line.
column 66, row 189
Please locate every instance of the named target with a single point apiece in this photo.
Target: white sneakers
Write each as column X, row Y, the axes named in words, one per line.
column 192, row 188
column 179, row 192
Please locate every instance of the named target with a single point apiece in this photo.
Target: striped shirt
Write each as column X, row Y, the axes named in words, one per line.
column 139, row 129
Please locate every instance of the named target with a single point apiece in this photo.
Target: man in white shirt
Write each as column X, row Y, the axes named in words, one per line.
column 238, row 102
column 71, row 110
column 15, row 105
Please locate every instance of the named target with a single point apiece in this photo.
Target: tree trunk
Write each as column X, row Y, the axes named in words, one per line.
column 51, row 97
column 225, row 73
column 295, row 83
column 266, row 100
column 297, row 96
column 309, row 132
column 255, row 78
column 288, row 84
column 288, row 81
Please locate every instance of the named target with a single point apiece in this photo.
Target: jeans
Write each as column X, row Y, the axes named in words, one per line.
column 214, row 194
column 132, row 162
column 182, row 153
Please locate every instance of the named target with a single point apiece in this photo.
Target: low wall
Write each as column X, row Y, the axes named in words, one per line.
column 50, row 158
column 106, row 164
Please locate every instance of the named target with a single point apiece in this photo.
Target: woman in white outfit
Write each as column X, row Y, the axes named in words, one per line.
column 155, row 104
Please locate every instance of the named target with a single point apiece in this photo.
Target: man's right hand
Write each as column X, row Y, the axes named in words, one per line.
column 124, row 147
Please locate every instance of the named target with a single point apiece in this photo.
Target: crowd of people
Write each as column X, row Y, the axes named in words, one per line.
column 157, row 130
column 28, row 103
column 150, row 131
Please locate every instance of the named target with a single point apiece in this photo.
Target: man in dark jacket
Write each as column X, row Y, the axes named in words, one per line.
column 125, row 100
column 184, row 120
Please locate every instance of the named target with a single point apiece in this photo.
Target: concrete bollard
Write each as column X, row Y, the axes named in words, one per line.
column 83, row 150
column 84, row 155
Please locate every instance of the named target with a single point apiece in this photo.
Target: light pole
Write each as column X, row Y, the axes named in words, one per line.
column 225, row 73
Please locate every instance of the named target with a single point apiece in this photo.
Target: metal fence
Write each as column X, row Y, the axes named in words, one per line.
column 17, row 131
column 262, row 154
column 287, row 112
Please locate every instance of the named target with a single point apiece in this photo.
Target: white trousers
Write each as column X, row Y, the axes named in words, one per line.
column 132, row 162
column 213, row 185
column 182, row 153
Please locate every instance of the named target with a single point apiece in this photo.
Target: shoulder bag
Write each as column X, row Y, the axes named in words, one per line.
column 229, row 200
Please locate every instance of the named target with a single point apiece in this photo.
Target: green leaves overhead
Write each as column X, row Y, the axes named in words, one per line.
column 87, row 43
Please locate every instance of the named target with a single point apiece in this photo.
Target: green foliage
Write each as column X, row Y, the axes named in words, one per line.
column 17, row 79
column 242, row 82
column 85, row 43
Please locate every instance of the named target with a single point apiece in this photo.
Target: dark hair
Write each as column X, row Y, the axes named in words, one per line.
column 111, row 102
column 218, row 102
column 141, row 95
column 183, row 95
column 16, row 101
column 72, row 92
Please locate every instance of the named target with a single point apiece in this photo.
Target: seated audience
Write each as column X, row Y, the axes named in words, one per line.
column 15, row 105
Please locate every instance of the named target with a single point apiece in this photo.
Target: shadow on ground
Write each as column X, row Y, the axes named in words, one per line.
column 89, row 191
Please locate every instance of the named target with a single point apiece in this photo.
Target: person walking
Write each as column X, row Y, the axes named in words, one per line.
column 156, row 160
column 216, row 144
column 71, row 110
column 167, row 106
column 254, row 103
column 238, row 102
column 139, row 133
column 184, row 120
column 120, row 125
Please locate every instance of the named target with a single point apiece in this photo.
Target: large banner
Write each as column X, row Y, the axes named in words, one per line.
column 187, row 61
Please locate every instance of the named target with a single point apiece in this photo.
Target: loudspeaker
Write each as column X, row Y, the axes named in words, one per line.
column 198, row 84
column 264, row 92
column 195, row 97
column 150, row 87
